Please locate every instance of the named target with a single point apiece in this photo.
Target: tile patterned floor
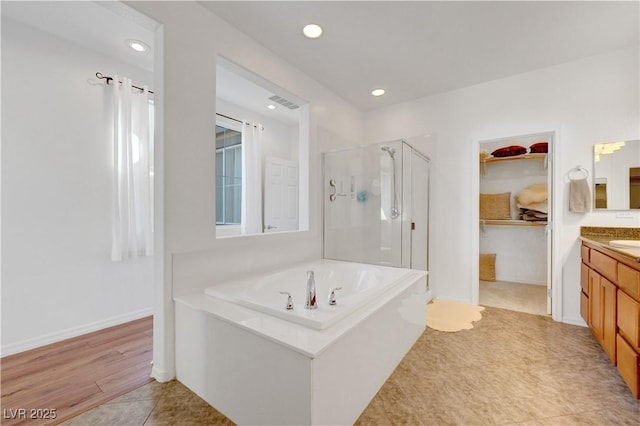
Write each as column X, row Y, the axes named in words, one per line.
column 154, row 404
column 512, row 368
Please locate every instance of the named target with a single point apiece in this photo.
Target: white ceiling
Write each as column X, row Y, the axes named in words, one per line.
column 417, row 48
column 410, row 48
column 243, row 88
column 100, row 26
column 104, row 26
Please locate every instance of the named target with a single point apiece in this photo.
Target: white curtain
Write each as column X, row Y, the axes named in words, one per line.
column 132, row 208
column 251, row 216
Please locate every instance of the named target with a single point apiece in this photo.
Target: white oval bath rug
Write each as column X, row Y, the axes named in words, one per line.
column 450, row 316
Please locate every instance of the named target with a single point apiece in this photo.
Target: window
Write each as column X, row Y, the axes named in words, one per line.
column 228, row 176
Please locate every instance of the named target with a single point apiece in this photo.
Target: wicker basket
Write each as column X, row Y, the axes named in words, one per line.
column 487, row 266
column 495, row 206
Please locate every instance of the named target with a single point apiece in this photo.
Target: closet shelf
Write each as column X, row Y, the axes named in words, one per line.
column 512, row 222
column 535, row 156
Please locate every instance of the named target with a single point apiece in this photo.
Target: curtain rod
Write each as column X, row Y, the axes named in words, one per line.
column 239, row 121
column 109, row 79
column 230, row 118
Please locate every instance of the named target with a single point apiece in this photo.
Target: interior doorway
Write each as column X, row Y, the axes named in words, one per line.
column 515, row 232
column 61, row 169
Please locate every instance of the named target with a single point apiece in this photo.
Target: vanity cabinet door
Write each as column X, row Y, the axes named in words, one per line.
column 629, row 319
column 584, row 307
column 602, row 312
column 584, row 278
column 604, row 264
column 595, row 305
column 629, row 365
column 629, row 281
column 609, row 302
column 584, row 253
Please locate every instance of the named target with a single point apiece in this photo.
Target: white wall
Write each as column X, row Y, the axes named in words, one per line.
column 568, row 97
column 193, row 258
column 57, row 277
column 587, row 101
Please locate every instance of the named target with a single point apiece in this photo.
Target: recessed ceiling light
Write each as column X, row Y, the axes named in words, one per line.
column 271, row 106
column 377, row 92
column 137, row 45
column 312, row 31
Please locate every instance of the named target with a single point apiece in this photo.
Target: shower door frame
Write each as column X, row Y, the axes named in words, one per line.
column 406, row 234
column 410, row 194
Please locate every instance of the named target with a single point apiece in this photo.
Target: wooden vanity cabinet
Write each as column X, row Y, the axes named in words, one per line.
column 584, row 287
column 609, row 302
column 629, row 320
column 629, row 281
column 610, row 305
column 602, row 312
column 628, row 364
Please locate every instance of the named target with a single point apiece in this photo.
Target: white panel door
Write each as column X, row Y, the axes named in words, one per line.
column 550, row 225
column 280, row 195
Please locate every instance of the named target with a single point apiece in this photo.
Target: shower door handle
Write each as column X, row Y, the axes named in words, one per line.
column 333, row 195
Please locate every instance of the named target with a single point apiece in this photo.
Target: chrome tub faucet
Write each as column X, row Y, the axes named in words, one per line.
column 311, row 292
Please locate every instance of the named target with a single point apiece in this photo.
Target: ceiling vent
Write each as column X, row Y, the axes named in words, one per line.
column 284, row 102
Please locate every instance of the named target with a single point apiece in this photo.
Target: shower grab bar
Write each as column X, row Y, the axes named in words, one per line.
column 334, row 194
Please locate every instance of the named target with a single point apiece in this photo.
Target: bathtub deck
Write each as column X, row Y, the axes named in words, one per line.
column 305, row 340
column 234, row 357
column 358, row 283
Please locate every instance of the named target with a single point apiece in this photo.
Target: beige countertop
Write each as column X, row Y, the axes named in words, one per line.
column 601, row 236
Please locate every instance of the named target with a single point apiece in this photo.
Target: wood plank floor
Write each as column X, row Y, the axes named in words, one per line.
column 64, row 379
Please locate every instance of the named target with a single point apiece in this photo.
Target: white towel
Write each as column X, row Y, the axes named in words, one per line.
column 579, row 196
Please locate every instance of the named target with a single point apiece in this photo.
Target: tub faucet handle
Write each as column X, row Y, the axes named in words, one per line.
column 332, row 295
column 289, row 305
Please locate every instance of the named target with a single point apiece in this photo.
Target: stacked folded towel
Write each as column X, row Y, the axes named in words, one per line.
column 533, row 202
column 533, row 215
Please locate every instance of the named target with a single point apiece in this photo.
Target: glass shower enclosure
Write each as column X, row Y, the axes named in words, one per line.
column 376, row 205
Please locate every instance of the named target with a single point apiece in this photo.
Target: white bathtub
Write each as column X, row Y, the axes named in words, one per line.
column 242, row 352
column 361, row 284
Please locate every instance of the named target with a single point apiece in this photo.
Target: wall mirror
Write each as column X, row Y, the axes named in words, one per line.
column 616, row 167
column 262, row 137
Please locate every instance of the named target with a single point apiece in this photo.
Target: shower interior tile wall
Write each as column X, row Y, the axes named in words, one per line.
column 353, row 229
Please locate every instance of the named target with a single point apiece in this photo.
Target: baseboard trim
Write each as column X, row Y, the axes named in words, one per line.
column 46, row 339
column 574, row 321
column 519, row 281
column 450, row 298
column 162, row 375
column 429, row 295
